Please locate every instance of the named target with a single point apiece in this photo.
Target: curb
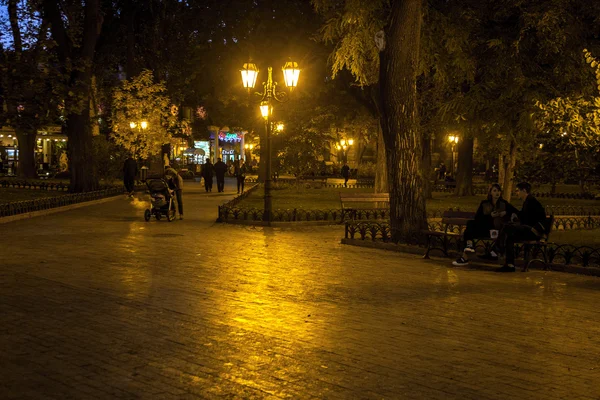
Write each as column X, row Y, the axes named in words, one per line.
column 570, row 269
column 54, row 210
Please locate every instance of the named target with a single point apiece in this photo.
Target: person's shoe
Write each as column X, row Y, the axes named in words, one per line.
column 507, row 268
column 460, row 261
column 180, row 216
column 469, row 248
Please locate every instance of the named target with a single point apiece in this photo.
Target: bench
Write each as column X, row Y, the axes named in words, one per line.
column 452, row 226
column 349, row 199
column 454, row 223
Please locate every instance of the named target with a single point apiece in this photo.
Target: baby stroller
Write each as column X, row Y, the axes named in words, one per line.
column 161, row 198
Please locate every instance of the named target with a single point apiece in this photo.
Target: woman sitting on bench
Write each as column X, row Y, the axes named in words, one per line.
column 491, row 215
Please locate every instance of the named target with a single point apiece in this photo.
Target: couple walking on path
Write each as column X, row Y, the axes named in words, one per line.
column 220, row 169
column 496, row 218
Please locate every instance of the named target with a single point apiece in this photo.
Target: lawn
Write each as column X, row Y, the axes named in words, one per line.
column 329, row 198
column 589, row 237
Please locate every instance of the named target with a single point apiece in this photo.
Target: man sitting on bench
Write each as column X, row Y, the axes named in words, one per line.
column 528, row 224
column 491, row 215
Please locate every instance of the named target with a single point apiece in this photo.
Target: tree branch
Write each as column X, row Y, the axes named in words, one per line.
column 14, row 24
column 92, row 27
column 59, row 34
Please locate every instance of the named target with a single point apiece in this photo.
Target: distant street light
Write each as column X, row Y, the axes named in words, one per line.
column 249, row 73
column 248, row 147
column 453, row 139
column 141, row 125
column 343, row 145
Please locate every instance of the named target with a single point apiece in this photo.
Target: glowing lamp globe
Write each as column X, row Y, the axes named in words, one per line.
column 249, row 74
column 265, row 110
column 291, row 73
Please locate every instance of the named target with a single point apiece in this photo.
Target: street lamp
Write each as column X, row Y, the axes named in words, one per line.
column 141, row 125
column 453, row 139
column 249, row 73
column 343, row 145
column 248, row 147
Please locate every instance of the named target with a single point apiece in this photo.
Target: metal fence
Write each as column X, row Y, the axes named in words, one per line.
column 553, row 253
column 39, row 185
column 25, row 206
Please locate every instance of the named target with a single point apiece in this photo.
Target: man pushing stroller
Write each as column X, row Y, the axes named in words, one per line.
column 175, row 182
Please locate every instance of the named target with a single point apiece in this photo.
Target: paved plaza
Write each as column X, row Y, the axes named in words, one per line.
column 96, row 303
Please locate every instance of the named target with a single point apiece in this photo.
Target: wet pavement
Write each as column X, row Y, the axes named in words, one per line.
column 97, row 303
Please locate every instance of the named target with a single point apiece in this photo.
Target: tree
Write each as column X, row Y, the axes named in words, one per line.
column 26, row 81
column 144, row 119
column 491, row 60
column 75, row 28
column 381, row 44
column 575, row 120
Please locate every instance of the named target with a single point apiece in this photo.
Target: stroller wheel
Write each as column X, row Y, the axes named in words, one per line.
column 147, row 215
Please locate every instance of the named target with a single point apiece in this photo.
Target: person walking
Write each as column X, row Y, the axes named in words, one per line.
column 442, row 171
column 130, row 171
column 240, row 171
column 175, row 182
column 207, row 174
column 527, row 224
column 220, row 170
column 491, row 215
column 346, row 174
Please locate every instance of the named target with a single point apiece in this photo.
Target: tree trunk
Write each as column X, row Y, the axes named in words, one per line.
column 464, row 174
column 80, row 153
column 399, row 123
column 79, row 82
column 509, row 170
column 381, row 182
column 428, row 171
column 26, row 154
column 501, row 169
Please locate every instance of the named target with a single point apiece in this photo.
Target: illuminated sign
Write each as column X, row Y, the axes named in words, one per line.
column 228, row 152
column 230, row 136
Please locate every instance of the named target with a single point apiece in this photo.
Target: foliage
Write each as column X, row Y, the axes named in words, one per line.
column 577, row 118
column 351, row 27
column 142, row 100
column 571, row 125
column 108, row 158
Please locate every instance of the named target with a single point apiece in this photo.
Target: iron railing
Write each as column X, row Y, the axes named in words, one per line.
column 552, row 253
column 25, row 206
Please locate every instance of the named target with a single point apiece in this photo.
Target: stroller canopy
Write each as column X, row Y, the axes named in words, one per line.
column 157, row 185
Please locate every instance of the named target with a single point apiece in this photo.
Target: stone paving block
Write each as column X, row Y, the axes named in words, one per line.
column 97, row 303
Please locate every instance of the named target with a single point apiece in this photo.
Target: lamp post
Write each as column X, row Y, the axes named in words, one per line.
column 248, row 147
column 291, row 73
column 343, row 145
column 453, row 139
column 141, row 126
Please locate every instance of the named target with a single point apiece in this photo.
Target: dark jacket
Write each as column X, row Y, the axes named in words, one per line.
column 345, row 171
column 220, row 168
column 130, row 168
column 207, row 171
column 483, row 216
column 533, row 214
column 240, row 170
